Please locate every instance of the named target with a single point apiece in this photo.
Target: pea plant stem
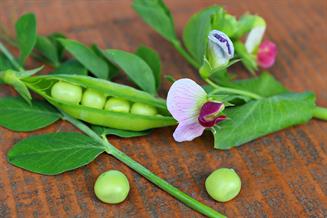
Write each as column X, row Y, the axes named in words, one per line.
column 231, row 90
column 175, row 192
column 186, row 199
column 320, row 113
column 185, row 54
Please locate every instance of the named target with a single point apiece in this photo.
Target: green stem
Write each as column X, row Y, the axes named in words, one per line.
column 185, row 54
column 231, row 90
column 84, row 128
column 186, row 199
column 320, row 113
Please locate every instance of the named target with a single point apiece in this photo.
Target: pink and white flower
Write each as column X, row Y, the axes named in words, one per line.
column 189, row 105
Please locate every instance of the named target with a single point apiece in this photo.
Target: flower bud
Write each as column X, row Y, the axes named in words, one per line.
column 255, row 36
column 220, row 49
column 267, row 53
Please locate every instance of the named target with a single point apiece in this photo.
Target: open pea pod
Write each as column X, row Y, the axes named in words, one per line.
column 119, row 120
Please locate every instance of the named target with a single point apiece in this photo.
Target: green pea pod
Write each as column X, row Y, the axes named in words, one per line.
column 119, row 120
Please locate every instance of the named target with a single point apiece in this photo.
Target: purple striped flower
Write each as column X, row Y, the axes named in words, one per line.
column 188, row 103
column 220, row 49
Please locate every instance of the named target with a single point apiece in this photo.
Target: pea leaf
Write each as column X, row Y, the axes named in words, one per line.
column 264, row 85
column 54, row 37
column 26, row 35
column 195, row 35
column 226, row 23
column 86, row 57
column 46, row 47
column 258, row 118
column 152, row 58
column 4, row 63
column 71, row 66
column 8, row 56
column 17, row 115
column 27, row 73
column 54, row 153
column 135, row 68
column 156, row 14
column 100, row 130
column 245, row 24
column 113, row 70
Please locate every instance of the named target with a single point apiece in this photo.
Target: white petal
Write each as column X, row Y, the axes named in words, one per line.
column 187, row 131
column 185, row 98
column 255, row 36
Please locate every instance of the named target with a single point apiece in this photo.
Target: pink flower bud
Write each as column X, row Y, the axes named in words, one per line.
column 266, row 55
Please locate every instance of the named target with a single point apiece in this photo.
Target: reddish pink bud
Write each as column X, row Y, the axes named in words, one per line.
column 266, row 54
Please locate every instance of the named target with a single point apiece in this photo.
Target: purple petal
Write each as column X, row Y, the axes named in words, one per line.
column 187, row 131
column 209, row 114
column 267, row 54
column 211, row 123
column 184, row 100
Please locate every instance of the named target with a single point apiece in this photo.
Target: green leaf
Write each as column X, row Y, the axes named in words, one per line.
column 135, row 68
column 152, row 58
column 258, row 118
column 195, row 35
column 245, row 24
column 6, row 53
column 54, row 153
column 46, row 47
column 156, row 14
column 226, row 23
column 264, row 85
column 248, row 60
column 100, row 130
column 17, row 115
column 87, row 58
column 27, row 73
column 113, row 70
column 71, row 66
column 4, row 63
column 26, row 35
column 54, row 38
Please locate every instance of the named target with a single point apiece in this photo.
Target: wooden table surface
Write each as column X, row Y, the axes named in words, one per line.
column 283, row 174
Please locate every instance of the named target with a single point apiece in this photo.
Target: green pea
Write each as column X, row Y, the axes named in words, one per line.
column 66, row 92
column 223, row 184
column 93, row 98
column 117, row 105
column 112, row 187
column 143, row 109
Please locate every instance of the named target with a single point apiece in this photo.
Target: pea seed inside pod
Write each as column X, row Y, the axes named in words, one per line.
column 67, row 92
column 223, row 184
column 117, row 105
column 112, row 187
column 93, row 98
column 143, row 109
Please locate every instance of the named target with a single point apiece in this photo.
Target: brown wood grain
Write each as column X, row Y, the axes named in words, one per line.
column 283, row 174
